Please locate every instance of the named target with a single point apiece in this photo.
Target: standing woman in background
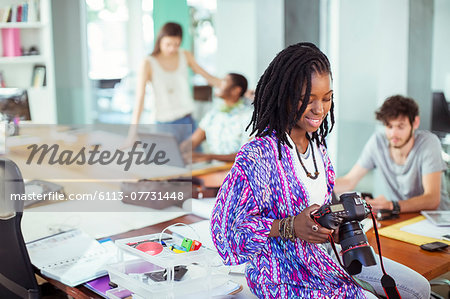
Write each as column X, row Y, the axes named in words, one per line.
column 167, row 71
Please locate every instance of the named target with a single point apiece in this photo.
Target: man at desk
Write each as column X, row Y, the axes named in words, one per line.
column 409, row 159
column 223, row 127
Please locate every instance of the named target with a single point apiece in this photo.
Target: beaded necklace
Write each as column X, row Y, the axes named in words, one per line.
column 308, row 174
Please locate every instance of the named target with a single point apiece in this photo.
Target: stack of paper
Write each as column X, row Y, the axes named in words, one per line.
column 411, row 231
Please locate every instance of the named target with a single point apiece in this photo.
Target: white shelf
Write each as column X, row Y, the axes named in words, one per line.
column 22, row 25
column 22, row 59
column 18, row 70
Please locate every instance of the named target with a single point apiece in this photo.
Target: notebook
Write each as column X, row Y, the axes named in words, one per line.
column 402, row 231
column 99, row 285
column 71, row 257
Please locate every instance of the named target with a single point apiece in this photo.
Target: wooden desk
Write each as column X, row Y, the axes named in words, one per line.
column 429, row 264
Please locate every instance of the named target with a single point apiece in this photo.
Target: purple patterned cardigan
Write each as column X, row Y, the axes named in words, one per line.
column 259, row 189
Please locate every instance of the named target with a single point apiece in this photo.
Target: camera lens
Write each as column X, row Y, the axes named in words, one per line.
column 355, row 247
column 351, row 234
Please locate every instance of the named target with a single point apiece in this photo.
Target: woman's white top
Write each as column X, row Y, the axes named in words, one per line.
column 171, row 94
column 315, row 189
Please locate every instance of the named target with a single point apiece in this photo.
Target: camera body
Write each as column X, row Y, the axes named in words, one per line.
column 347, row 214
column 351, row 207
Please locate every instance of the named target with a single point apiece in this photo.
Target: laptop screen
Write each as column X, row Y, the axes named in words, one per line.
column 163, row 142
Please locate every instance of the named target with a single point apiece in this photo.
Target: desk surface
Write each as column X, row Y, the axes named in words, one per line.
column 429, row 264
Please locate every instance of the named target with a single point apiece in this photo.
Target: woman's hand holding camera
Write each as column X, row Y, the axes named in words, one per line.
column 308, row 230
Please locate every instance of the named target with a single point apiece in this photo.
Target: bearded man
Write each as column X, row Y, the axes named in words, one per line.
column 409, row 159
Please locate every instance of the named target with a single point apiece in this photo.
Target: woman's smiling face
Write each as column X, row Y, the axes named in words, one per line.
column 319, row 103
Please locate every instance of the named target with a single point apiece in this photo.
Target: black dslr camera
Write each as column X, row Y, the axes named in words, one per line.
column 347, row 214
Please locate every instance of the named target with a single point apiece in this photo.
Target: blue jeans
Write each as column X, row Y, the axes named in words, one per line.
column 409, row 283
column 181, row 128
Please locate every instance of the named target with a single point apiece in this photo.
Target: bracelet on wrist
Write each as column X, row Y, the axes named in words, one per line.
column 286, row 228
column 279, row 226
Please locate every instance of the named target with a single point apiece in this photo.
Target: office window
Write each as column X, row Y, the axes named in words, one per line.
column 107, row 38
column 107, row 52
column 205, row 40
column 147, row 25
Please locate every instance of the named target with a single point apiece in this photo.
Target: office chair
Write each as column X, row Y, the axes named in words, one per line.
column 17, row 279
column 440, row 282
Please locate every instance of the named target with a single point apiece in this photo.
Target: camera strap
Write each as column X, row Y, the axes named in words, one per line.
column 366, row 286
column 387, row 282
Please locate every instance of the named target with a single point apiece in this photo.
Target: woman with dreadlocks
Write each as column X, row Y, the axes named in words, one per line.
column 262, row 211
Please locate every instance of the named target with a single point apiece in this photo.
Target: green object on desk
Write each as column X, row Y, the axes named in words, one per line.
column 187, row 244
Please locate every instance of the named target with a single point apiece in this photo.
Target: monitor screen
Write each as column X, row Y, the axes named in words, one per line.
column 440, row 121
column 14, row 104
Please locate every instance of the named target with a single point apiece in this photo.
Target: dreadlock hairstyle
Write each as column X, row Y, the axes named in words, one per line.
column 279, row 91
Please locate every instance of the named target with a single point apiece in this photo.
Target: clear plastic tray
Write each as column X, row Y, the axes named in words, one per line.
column 130, row 275
column 167, row 258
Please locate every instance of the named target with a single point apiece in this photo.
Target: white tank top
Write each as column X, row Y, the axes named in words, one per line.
column 315, row 189
column 171, row 95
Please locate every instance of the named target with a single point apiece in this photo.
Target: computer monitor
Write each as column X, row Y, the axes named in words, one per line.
column 166, row 143
column 14, row 104
column 440, row 118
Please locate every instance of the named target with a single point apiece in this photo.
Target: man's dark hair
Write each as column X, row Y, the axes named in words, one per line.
column 279, row 91
column 396, row 106
column 240, row 81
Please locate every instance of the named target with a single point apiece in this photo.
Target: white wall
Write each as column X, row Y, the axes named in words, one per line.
column 249, row 35
column 372, row 51
column 441, row 47
column 236, row 38
column 270, row 32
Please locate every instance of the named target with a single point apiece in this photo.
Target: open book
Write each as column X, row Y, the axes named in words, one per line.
column 72, row 257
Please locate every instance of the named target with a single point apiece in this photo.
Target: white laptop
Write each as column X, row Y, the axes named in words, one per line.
column 169, row 145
